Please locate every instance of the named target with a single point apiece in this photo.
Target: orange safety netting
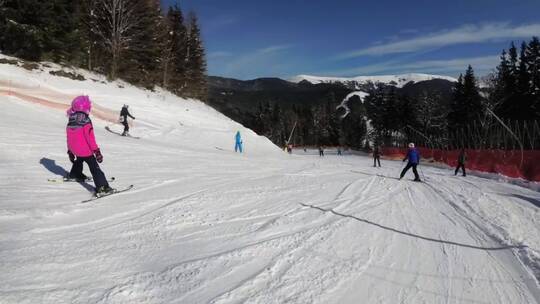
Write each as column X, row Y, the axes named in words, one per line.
column 505, row 162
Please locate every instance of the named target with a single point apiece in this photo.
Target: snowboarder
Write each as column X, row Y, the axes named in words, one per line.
column 321, row 151
column 376, row 156
column 124, row 113
column 238, row 145
column 462, row 158
column 413, row 157
column 82, row 146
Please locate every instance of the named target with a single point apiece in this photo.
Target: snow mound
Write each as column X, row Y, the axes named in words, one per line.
column 158, row 113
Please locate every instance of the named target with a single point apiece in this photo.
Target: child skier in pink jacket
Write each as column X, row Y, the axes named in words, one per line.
column 82, row 146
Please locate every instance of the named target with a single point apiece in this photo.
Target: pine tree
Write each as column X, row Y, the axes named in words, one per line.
column 513, row 63
column 196, row 61
column 467, row 106
column 456, row 108
column 532, row 56
column 174, row 57
column 37, row 30
column 523, row 87
column 504, row 91
column 141, row 63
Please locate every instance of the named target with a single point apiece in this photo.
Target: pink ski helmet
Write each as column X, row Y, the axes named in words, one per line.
column 80, row 104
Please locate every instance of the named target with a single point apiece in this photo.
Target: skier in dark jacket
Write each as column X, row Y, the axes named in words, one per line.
column 376, row 156
column 413, row 157
column 462, row 158
column 124, row 113
column 321, row 151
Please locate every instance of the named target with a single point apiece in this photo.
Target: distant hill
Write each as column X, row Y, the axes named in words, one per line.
column 367, row 82
column 234, row 97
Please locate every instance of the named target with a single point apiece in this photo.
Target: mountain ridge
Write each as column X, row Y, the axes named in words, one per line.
column 360, row 82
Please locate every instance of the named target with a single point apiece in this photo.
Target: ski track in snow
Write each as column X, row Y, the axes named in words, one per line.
column 210, row 226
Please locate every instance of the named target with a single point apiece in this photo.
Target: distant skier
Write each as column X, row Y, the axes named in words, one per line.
column 376, row 156
column 238, row 140
column 82, row 146
column 338, row 150
column 321, row 151
column 462, row 158
column 124, row 113
column 413, row 157
column 289, row 148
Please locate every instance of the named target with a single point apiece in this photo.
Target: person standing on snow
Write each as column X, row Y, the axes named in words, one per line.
column 462, row 158
column 82, row 146
column 238, row 145
column 124, row 113
column 413, row 157
column 376, row 156
column 321, row 151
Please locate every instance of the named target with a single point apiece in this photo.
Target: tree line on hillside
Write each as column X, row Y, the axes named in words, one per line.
column 315, row 124
column 510, row 94
column 128, row 39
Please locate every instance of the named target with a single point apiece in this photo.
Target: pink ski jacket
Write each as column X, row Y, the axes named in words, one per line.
column 80, row 135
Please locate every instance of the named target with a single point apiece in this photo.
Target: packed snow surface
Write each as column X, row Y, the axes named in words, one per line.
column 395, row 80
column 205, row 225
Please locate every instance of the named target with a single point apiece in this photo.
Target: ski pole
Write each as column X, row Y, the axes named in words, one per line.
column 423, row 176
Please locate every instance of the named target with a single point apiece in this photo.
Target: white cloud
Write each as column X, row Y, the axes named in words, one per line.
column 465, row 34
column 449, row 66
column 274, row 48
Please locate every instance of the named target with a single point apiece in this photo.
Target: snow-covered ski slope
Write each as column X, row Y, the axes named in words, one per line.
column 206, row 225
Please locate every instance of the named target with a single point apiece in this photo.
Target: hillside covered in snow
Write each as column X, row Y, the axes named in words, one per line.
column 204, row 224
column 360, row 82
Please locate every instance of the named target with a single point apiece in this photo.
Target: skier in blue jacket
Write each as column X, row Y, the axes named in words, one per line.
column 413, row 157
column 238, row 145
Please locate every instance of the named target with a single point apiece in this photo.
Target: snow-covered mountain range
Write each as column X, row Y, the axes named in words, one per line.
column 360, row 81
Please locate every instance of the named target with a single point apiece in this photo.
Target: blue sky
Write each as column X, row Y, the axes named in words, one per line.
column 246, row 39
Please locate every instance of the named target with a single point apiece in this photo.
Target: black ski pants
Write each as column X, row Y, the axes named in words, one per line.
column 376, row 159
column 98, row 175
column 462, row 166
column 409, row 165
column 126, row 125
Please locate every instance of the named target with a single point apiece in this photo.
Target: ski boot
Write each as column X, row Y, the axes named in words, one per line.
column 104, row 190
column 80, row 179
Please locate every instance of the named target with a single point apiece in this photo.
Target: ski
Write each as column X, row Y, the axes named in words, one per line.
column 73, row 180
column 109, row 194
column 120, row 134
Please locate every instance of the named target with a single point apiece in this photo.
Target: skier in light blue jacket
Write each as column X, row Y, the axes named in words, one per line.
column 238, row 145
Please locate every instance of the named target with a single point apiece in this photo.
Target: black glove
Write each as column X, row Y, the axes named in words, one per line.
column 98, row 155
column 71, row 156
